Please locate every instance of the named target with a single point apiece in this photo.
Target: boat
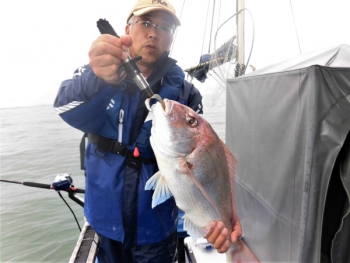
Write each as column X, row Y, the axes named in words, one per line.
column 86, row 247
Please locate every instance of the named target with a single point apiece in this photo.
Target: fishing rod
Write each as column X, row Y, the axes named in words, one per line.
column 62, row 182
column 44, row 186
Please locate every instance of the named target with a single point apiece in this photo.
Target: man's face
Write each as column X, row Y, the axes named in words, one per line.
column 150, row 44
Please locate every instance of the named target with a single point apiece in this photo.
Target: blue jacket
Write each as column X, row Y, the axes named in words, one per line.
column 93, row 106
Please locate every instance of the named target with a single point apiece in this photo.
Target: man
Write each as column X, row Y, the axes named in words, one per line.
column 105, row 103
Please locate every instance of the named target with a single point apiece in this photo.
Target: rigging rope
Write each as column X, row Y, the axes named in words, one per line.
column 211, row 28
column 295, row 26
column 251, row 49
column 224, row 54
column 217, row 26
column 172, row 46
column 205, row 28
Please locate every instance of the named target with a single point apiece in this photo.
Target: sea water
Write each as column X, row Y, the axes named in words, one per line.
column 35, row 146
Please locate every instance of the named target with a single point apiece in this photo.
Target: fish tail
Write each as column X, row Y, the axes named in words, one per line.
column 240, row 253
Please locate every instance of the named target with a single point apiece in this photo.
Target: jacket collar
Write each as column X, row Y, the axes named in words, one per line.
column 163, row 65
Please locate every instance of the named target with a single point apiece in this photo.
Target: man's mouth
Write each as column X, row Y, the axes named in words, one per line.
column 150, row 46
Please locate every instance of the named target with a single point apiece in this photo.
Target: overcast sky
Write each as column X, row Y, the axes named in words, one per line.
column 44, row 41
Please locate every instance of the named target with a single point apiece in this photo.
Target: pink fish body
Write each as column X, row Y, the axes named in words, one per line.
column 197, row 168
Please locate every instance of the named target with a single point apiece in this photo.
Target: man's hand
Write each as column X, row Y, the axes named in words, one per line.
column 218, row 235
column 106, row 55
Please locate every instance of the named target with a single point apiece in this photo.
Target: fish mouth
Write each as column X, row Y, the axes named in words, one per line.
column 167, row 107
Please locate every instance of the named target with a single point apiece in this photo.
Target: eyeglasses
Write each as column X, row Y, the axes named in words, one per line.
column 162, row 30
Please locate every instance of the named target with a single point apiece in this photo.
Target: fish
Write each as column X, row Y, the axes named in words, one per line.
column 197, row 169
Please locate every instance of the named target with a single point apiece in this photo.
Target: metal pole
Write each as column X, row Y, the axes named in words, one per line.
column 240, row 39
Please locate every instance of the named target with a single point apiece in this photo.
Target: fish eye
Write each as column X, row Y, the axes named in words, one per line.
column 192, row 121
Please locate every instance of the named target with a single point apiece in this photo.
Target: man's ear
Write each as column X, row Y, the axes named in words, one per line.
column 171, row 42
column 127, row 29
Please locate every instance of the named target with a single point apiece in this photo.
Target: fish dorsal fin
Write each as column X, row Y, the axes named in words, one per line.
column 192, row 229
column 232, row 163
column 161, row 189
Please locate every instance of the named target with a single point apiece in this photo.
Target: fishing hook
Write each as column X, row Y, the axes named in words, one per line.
column 157, row 97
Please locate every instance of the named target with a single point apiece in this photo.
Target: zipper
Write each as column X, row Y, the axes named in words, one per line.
column 120, row 125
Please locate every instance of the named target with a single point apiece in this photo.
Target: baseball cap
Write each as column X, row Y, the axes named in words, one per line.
column 143, row 7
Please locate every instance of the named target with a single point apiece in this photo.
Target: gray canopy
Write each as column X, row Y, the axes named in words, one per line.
column 288, row 127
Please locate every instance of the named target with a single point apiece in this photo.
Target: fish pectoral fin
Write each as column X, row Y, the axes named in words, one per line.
column 184, row 167
column 161, row 192
column 153, row 181
column 192, row 229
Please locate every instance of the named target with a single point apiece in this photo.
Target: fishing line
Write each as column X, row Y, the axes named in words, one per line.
column 295, row 26
column 76, row 220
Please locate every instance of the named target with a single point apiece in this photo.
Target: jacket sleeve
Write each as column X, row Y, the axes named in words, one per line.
column 190, row 96
column 82, row 100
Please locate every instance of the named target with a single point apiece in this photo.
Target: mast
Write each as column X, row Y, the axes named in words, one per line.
column 240, row 67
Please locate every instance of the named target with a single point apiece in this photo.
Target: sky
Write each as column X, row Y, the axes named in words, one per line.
column 43, row 42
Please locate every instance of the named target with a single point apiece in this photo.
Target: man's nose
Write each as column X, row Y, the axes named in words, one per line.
column 153, row 33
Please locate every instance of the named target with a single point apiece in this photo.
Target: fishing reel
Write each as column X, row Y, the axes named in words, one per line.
column 63, row 181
